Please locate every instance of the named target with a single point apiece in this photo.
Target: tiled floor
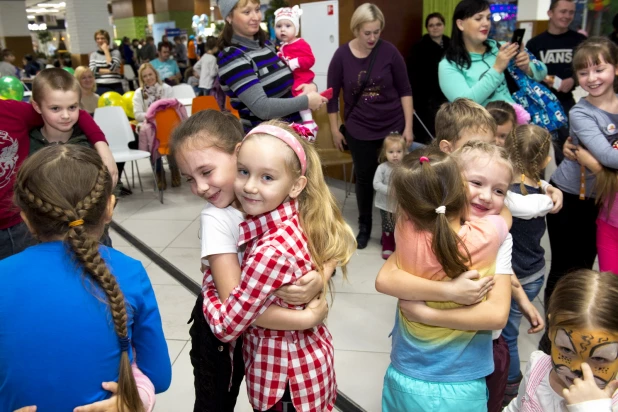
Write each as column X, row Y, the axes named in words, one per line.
column 360, row 318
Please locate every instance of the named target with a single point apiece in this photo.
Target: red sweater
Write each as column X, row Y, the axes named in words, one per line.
column 16, row 120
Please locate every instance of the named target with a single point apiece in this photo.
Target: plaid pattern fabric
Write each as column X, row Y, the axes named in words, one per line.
column 276, row 255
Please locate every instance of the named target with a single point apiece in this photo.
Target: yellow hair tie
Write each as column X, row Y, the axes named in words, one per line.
column 77, row 222
column 523, row 177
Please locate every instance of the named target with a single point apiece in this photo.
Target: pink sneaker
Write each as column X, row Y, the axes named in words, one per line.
column 388, row 244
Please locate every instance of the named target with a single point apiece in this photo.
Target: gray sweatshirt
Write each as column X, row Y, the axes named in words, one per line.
column 595, row 129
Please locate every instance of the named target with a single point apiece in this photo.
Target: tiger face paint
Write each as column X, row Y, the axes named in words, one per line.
column 571, row 347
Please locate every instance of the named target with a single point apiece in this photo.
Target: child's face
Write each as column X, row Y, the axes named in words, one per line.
column 263, row 181
column 285, row 30
column 59, row 109
column 487, row 181
column 571, row 347
column 598, row 80
column 210, row 172
column 394, row 152
column 502, row 133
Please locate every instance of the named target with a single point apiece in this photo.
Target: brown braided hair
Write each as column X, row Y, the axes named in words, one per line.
column 528, row 147
column 58, row 188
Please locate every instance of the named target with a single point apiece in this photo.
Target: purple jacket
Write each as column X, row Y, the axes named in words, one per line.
column 148, row 131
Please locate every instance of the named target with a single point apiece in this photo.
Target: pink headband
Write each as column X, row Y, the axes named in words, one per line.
column 287, row 138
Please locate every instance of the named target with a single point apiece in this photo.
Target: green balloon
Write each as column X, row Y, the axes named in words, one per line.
column 70, row 70
column 11, row 88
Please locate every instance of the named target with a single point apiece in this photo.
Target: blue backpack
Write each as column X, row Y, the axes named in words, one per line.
column 544, row 108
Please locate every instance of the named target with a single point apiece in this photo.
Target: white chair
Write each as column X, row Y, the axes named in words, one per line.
column 115, row 126
column 183, row 91
column 129, row 74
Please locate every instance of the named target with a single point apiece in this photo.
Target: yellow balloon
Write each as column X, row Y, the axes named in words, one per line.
column 2, row 98
column 127, row 99
column 110, row 99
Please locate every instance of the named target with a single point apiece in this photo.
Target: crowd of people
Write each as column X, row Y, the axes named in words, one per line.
column 462, row 220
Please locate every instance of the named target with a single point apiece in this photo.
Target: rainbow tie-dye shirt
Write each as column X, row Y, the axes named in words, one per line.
column 439, row 354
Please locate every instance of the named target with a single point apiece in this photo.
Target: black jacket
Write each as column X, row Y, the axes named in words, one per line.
column 422, row 65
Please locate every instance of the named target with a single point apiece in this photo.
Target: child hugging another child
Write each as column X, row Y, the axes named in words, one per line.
column 579, row 374
column 297, row 53
column 393, row 150
column 205, row 147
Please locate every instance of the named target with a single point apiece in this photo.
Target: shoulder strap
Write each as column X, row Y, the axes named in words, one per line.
column 374, row 53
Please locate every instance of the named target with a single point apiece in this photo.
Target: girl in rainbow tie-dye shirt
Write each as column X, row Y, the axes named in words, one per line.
column 443, row 368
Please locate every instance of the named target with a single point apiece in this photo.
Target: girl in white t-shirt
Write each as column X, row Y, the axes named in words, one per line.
column 205, row 148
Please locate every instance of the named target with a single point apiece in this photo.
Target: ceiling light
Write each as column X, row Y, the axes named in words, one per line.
column 50, row 5
column 30, row 17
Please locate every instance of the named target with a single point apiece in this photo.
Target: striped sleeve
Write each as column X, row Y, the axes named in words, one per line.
column 236, row 72
column 115, row 60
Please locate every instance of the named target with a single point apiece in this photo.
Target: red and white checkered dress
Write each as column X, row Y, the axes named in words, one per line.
column 277, row 255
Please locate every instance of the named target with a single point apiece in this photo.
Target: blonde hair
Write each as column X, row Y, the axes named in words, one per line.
column 329, row 237
column 460, row 115
column 472, row 149
column 366, row 13
column 585, row 299
column 528, row 147
column 392, row 138
column 141, row 71
column 79, row 73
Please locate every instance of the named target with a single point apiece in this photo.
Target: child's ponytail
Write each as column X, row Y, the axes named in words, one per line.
column 64, row 191
column 430, row 192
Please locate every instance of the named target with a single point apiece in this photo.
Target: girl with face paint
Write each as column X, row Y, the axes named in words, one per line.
column 580, row 373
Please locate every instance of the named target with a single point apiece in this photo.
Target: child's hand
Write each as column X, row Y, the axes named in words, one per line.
column 317, row 310
column 108, row 405
column 303, row 290
column 556, row 196
column 531, row 313
column 413, row 310
column 568, row 150
column 26, row 409
column 585, row 158
column 468, row 289
column 586, row 389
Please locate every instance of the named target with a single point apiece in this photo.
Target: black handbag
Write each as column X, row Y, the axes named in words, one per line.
column 374, row 53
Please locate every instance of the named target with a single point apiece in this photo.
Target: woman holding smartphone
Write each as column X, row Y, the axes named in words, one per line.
column 474, row 65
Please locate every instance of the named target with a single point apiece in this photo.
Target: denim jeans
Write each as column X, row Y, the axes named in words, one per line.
column 14, row 239
column 511, row 330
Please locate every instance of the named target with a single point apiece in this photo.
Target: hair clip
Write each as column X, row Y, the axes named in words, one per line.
column 424, row 159
column 303, row 131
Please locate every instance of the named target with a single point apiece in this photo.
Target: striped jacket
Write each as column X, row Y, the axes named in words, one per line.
column 244, row 65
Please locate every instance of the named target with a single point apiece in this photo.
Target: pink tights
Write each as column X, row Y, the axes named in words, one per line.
column 607, row 246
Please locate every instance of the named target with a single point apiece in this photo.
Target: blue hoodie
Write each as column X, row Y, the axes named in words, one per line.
column 480, row 82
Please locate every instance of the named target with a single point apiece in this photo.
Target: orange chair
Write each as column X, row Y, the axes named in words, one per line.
column 203, row 103
column 228, row 107
column 166, row 120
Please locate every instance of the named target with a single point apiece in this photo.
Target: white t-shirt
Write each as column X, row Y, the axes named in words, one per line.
column 504, row 267
column 219, row 231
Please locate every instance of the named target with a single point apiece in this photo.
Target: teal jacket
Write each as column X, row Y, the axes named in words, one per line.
column 481, row 82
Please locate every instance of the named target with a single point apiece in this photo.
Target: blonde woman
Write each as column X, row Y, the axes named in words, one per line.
column 89, row 100
column 151, row 89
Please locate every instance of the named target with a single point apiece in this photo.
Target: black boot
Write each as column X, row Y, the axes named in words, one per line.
column 364, row 233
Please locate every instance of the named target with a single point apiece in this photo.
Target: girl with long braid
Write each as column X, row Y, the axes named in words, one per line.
column 73, row 312
column 528, row 149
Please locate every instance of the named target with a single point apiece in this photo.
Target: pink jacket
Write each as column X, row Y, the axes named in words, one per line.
column 148, row 130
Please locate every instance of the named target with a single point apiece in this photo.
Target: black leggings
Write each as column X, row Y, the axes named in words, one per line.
column 573, row 243
column 212, row 367
column 365, row 157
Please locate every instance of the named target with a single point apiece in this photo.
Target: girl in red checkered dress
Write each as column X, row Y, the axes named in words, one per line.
column 205, row 148
column 293, row 225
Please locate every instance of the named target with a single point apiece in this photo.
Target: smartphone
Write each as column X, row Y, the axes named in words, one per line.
column 518, row 36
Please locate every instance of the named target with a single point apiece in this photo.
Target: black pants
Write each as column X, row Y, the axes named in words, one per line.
column 572, row 238
column 212, row 367
column 284, row 404
column 132, row 145
column 365, row 157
